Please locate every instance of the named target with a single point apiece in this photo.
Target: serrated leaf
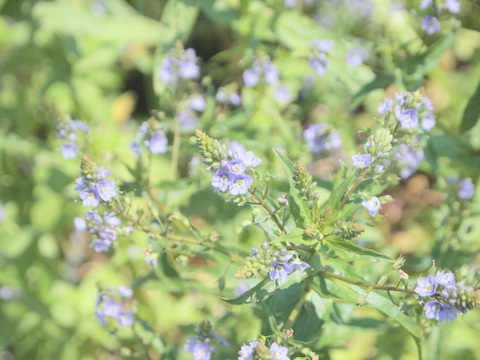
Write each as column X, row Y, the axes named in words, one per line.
column 267, row 288
column 471, row 113
column 348, row 251
column 298, row 207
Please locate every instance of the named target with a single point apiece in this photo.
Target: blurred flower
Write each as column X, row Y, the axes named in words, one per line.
column 355, row 57
column 430, row 24
column 180, row 64
column 466, row 189
column 318, row 59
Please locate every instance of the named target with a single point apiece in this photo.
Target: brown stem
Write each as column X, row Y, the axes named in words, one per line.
column 352, row 190
column 328, row 274
column 270, row 211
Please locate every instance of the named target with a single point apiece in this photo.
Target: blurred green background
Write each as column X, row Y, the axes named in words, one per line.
column 97, row 61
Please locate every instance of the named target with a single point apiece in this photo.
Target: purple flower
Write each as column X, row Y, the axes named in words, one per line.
column 355, row 57
column 319, row 63
column 188, row 69
column 112, row 308
column 409, row 119
column 428, row 122
column 315, row 137
column 80, row 182
column 249, row 159
column 410, row 159
column 280, row 271
column 101, row 245
column 125, row 291
column 125, row 318
column 90, row 197
column 445, row 278
column 430, row 25
column 436, row 310
column 290, row 3
column 322, row 46
column 282, row 94
column 106, row 189
column 69, row 150
column 236, row 166
column 222, row 179
column 135, row 147
column 247, row 351
column 385, row 106
column 158, row 143
column 372, row 205
column 426, row 286
column 361, row 161
column 466, row 189
column 270, row 72
column 453, row 6
column 251, row 77
column 80, row 224
column 93, row 217
column 240, row 184
column 201, row 351
column 279, row 352
column 299, row 265
column 425, row 4
column 107, row 233
column 197, row 103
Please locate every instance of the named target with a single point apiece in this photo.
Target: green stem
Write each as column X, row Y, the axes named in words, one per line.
column 327, row 274
column 295, row 312
column 270, row 211
column 352, row 190
column 175, row 151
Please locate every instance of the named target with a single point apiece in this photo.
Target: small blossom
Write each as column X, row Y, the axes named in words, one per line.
column 247, row 351
column 126, row 318
column 355, row 57
column 282, row 94
column 280, row 271
column 240, row 184
column 385, row 106
column 372, row 205
column 125, row 291
column 361, row 161
column 158, row 144
column 428, row 122
column 197, row 103
column 409, row 119
column 69, row 150
column 249, row 159
column 101, row 245
column 299, row 265
column 426, row 286
column 466, row 189
column 236, row 166
column 430, row 25
column 106, row 189
column 445, row 278
column 279, row 352
column 90, row 197
column 222, row 179
column 436, row 310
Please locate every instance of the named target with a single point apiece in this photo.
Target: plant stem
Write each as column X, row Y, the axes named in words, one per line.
column 327, row 274
column 295, row 312
column 352, row 190
column 270, row 211
column 175, row 151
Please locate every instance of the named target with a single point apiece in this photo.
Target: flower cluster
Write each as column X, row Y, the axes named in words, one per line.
column 188, row 109
column 449, row 297
column 202, row 346
column 228, row 95
column 93, row 185
column 69, row 131
column 264, row 71
column 181, row 64
column 256, row 350
column 229, row 166
column 113, row 304
column 152, row 136
column 103, row 228
column 430, row 23
column 466, row 189
column 320, row 138
column 272, row 259
column 318, row 59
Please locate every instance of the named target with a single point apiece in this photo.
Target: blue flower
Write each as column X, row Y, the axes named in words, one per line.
column 248, row 351
column 428, row 122
column 409, row 119
column 125, row 318
column 201, row 351
column 279, row 271
column 385, row 106
column 436, row 310
column 125, row 291
column 222, row 179
column 445, row 278
column 101, row 245
column 240, row 184
column 236, row 166
column 372, row 205
column 279, row 352
column 361, row 161
column 430, row 25
column 90, row 197
column 426, row 286
column 106, row 189
column 249, row 159
column 69, row 150
column 355, row 57
column 158, row 143
column 251, row 77
column 466, row 189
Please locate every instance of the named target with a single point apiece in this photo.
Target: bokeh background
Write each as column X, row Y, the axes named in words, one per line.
column 97, row 61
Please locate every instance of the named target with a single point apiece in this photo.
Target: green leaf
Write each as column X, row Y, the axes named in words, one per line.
column 298, row 207
column 267, row 288
column 338, row 193
column 315, row 312
column 348, row 251
column 375, row 299
column 471, row 113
